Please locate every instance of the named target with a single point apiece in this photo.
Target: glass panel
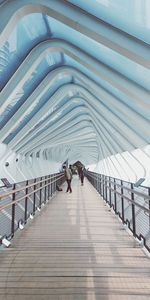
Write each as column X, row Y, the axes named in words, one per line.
column 16, row 48
column 132, row 16
column 33, row 29
column 50, row 61
column 36, row 77
column 107, row 56
column 12, row 53
column 110, row 88
column 52, row 116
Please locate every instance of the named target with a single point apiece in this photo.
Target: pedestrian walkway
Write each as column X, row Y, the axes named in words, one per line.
column 76, row 249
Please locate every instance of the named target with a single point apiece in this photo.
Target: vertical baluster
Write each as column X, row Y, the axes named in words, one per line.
column 26, row 203
column 106, row 188
column 122, row 201
column 103, row 186
column 13, row 212
column 40, row 193
column 51, row 185
column 45, row 189
column 48, row 187
column 133, row 210
column 100, row 184
column 34, row 197
column 110, row 191
column 115, row 196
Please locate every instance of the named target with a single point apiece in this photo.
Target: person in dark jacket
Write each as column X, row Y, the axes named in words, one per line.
column 82, row 175
column 68, row 177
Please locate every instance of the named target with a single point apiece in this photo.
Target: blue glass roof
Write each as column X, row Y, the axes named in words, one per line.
column 44, row 27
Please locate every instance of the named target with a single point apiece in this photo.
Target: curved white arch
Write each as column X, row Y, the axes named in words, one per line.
column 111, row 102
column 46, row 135
column 119, row 82
column 120, row 126
column 105, row 150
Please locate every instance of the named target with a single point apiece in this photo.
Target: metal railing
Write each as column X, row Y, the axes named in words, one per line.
column 22, row 200
column 131, row 204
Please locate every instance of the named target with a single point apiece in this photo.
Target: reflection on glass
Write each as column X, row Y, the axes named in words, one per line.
column 33, row 29
column 104, row 2
column 132, row 16
column 51, row 60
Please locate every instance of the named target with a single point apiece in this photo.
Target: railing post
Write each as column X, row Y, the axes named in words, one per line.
column 51, row 185
column 94, row 181
column 115, row 197
column 45, row 190
column 26, row 203
column 109, row 191
column 100, row 184
column 40, row 202
column 103, row 185
column 106, row 188
column 13, row 213
column 48, row 186
column 55, row 183
column 133, row 210
column 122, row 201
column 97, row 182
column 34, row 196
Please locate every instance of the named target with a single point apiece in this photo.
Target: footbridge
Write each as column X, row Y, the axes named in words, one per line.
column 74, row 92
column 92, row 243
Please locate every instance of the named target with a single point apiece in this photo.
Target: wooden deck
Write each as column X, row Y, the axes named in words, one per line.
column 75, row 250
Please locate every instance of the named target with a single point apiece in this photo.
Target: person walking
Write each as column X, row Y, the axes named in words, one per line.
column 82, row 176
column 68, row 177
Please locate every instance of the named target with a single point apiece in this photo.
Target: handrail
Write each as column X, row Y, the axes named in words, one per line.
column 126, row 203
column 12, row 213
column 125, row 197
column 22, row 188
column 128, row 199
column 26, row 195
column 116, row 178
column 124, row 187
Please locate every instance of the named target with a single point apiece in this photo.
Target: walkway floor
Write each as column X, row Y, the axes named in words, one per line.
column 75, row 250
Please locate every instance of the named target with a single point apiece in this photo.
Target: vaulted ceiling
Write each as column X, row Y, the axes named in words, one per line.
column 74, row 77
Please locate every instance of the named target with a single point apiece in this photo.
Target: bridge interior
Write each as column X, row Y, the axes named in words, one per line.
column 75, row 249
column 74, row 86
